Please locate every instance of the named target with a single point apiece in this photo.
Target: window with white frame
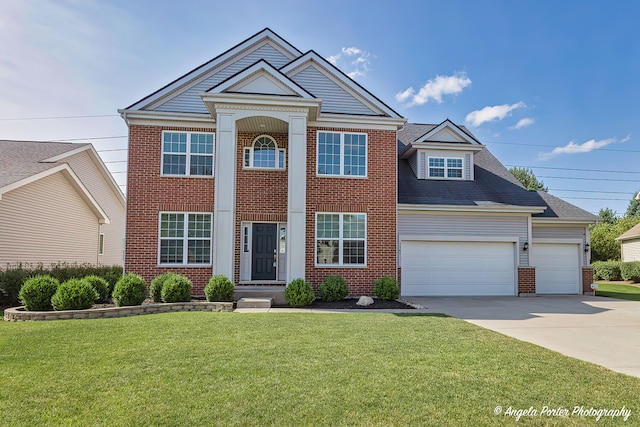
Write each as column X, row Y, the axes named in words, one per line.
column 341, row 239
column 342, row 154
column 185, row 238
column 264, row 154
column 445, row 167
column 187, row 153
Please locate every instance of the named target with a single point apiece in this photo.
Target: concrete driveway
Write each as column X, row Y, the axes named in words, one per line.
column 600, row 330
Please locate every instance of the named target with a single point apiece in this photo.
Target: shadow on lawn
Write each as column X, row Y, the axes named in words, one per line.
column 421, row 314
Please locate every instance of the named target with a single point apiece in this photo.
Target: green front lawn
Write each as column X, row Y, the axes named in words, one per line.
column 614, row 290
column 289, row 369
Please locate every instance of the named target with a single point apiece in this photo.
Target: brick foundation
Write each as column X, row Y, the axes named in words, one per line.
column 526, row 280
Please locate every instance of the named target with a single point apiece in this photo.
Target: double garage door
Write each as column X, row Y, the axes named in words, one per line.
column 435, row 268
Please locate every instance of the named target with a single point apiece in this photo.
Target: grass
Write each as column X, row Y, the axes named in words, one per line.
column 289, row 369
column 615, row 290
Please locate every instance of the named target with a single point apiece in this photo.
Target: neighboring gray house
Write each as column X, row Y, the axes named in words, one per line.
column 630, row 244
column 58, row 203
column 466, row 226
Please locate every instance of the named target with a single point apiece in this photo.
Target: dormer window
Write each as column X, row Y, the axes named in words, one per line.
column 445, row 167
column 264, row 154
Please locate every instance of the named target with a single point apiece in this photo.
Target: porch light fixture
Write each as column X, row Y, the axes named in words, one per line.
column 525, row 246
column 586, row 247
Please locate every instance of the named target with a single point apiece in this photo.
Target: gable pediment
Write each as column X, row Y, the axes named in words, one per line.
column 447, row 132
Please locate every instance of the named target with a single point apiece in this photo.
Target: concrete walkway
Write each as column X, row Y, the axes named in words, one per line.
column 603, row 331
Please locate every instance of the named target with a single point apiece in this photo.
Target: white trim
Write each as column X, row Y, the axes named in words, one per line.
column 161, row 118
column 185, row 239
column 251, row 150
column 342, row 174
column 254, row 103
column 188, row 155
column 340, row 241
column 101, row 244
column 357, row 122
column 458, row 238
column 472, row 209
column 453, row 127
column 558, row 240
column 562, row 221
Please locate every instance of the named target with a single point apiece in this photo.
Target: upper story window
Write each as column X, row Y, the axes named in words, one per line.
column 342, row 154
column 445, row 167
column 187, row 153
column 264, row 154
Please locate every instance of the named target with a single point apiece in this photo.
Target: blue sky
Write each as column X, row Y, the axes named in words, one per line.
column 546, row 84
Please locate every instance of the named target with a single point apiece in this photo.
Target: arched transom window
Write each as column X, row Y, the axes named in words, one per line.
column 264, row 154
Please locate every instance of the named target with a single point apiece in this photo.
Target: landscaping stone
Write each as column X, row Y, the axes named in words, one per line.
column 365, row 301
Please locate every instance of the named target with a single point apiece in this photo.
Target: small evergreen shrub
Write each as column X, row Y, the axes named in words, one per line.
column 630, row 271
column 37, row 291
column 219, row 288
column 100, row 285
column 607, row 270
column 74, row 294
column 299, row 293
column 155, row 290
column 333, row 288
column 10, row 283
column 129, row 290
column 386, row 288
column 176, row 288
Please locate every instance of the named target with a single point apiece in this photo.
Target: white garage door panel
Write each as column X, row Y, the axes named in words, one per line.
column 457, row 268
column 557, row 268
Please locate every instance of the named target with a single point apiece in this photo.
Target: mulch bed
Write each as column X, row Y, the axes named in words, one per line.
column 350, row 303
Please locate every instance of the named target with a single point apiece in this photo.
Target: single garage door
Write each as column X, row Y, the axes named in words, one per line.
column 457, row 268
column 557, row 267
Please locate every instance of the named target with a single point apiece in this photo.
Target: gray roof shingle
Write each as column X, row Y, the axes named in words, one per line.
column 493, row 186
column 22, row 159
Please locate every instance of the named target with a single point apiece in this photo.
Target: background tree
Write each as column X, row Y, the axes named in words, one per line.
column 608, row 215
column 634, row 206
column 604, row 245
column 528, row 179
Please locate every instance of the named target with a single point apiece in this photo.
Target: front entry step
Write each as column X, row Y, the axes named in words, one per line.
column 254, row 303
column 275, row 293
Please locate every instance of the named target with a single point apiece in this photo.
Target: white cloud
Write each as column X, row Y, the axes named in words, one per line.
column 435, row 89
column 573, row 148
column 489, row 114
column 353, row 67
column 527, row 121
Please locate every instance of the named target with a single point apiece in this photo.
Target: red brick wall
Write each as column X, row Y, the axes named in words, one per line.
column 587, row 280
column 526, row 280
column 148, row 193
column 375, row 196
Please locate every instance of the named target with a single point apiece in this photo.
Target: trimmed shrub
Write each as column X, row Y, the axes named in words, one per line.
column 219, row 288
column 299, row 293
column 37, row 291
column 386, row 288
column 10, row 283
column 607, row 270
column 130, row 290
column 100, row 285
column 630, row 271
column 74, row 294
column 333, row 288
column 176, row 288
column 155, row 290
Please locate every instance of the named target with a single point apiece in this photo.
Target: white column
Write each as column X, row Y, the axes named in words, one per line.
column 225, row 195
column 297, row 198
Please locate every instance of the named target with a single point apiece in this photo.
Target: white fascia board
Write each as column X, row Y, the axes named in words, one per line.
column 562, row 221
column 341, row 79
column 75, row 182
column 444, row 146
column 242, row 100
column 266, row 34
column 359, row 122
column 161, row 118
column 452, row 126
column 472, row 209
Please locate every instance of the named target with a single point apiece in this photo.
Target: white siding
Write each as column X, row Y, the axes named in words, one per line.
column 89, row 173
column 334, row 98
column 631, row 250
column 448, row 225
column 562, row 232
column 413, row 163
column 47, row 222
column 190, row 102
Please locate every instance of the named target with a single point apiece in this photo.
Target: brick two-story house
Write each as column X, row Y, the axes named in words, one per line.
column 268, row 164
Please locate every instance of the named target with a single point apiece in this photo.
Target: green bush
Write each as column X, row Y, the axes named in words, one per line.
column 333, row 288
column 129, row 290
column 299, row 293
column 630, row 271
column 219, row 288
column 10, row 283
column 100, row 285
column 74, row 294
column 37, row 291
column 606, row 270
column 155, row 290
column 176, row 288
column 386, row 288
